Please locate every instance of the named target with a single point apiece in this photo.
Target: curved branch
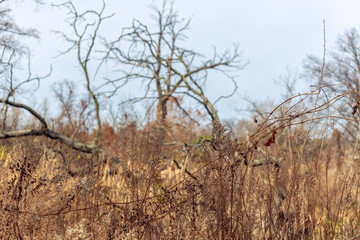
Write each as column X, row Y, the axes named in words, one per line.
column 45, row 131
column 27, row 108
column 83, row 147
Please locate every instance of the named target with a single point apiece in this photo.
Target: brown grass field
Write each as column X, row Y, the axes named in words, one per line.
column 274, row 184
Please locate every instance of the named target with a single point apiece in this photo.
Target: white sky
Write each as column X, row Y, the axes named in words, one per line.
column 273, row 35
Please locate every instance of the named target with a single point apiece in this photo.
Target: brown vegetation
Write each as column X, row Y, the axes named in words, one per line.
column 277, row 184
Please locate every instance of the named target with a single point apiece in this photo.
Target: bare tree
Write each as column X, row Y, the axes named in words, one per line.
column 75, row 112
column 11, row 53
column 167, row 68
column 10, row 31
column 85, row 26
column 82, row 41
column 341, row 76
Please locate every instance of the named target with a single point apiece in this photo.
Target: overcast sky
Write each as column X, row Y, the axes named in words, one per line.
column 273, row 35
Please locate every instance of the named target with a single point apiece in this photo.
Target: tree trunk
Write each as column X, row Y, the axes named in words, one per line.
column 161, row 114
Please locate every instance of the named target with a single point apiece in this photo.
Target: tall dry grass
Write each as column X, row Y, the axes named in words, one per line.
column 230, row 189
column 287, row 179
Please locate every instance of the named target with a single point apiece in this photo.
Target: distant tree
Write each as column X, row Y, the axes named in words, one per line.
column 341, row 76
column 82, row 41
column 158, row 57
column 12, row 52
column 74, row 112
column 10, row 32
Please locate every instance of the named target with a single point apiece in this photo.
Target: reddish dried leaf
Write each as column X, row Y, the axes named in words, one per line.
column 355, row 109
column 272, row 139
column 356, row 106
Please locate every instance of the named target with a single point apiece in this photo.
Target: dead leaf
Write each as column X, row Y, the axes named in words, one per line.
column 356, row 106
column 272, row 139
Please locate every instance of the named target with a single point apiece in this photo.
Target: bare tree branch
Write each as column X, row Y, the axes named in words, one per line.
column 83, row 42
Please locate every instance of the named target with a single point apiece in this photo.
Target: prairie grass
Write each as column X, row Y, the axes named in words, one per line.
column 141, row 189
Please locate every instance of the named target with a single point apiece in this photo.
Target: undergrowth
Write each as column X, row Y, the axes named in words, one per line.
column 224, row 188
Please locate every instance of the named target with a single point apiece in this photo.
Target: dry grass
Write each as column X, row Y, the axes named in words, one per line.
column 138, row 192
column 288, row 179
